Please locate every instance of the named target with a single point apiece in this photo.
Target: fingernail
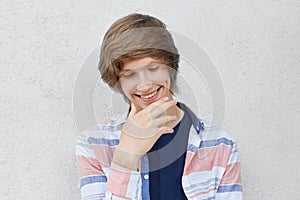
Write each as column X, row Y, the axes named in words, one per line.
column 166, row 98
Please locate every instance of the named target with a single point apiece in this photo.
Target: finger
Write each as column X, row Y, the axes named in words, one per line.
column 133, row 110
column 157, row 103
column 166, row 130
column 161, row 109
column 161, row 121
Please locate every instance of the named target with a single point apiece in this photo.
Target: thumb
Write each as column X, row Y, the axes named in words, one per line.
column 167, row 130
column 133, row 109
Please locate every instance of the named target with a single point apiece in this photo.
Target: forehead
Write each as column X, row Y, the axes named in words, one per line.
column 140, row 62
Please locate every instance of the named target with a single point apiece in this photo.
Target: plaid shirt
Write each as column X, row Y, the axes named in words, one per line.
column 211, row 170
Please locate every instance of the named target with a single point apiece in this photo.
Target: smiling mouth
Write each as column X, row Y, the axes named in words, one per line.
column 149, row 95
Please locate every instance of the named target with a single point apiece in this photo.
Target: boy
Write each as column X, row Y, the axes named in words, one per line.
column 161, row 150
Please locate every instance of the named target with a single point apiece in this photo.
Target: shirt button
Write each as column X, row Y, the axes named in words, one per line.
column 146, row 177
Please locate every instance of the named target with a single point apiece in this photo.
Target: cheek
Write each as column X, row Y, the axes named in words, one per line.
column 127, row 88
column 164, row 77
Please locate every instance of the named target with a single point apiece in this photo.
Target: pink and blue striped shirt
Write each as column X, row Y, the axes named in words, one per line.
column 211, row 170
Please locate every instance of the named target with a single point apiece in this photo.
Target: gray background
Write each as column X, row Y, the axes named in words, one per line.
column 255, row 46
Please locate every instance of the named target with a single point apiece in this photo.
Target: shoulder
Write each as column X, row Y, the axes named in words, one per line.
column 215, row 142
column 98, row 141
column 215, row 133
column 105, row 132
column 205, row 130
column 210, row 140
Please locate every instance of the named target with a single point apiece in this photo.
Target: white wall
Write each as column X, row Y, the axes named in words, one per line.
column 255, row 46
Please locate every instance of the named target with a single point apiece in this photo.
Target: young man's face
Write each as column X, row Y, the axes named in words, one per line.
column 144, row 81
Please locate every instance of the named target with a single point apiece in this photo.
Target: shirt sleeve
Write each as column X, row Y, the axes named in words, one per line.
column 123, row 183
column 230, row 187
column 97, row 182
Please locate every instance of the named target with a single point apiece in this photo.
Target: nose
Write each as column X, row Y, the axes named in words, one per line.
column 144, row 84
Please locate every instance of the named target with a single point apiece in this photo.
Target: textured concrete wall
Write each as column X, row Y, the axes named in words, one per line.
column 255, row 46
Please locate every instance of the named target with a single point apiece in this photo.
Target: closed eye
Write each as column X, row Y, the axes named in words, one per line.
column 128, row 74
column 154, row 68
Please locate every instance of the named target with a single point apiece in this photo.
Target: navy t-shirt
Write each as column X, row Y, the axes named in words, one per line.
column 166, row 162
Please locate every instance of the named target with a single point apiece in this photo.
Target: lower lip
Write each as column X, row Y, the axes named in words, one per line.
column 152, row 99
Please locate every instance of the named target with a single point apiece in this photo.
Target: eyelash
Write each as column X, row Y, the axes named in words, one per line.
column 131, row 74
column 128, row 75
column 154, row 68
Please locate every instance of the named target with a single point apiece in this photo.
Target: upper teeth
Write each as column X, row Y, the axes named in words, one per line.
column 149, row 96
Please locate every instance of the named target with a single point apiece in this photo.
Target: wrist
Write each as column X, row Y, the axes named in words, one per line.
column 126, row 159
